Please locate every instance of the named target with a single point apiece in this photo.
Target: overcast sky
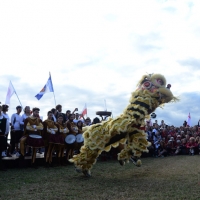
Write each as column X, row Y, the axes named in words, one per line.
column 98, row 50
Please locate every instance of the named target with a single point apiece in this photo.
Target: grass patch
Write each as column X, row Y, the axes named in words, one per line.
column 175, row 177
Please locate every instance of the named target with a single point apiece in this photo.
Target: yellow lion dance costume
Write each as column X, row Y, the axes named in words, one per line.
column 126, row 129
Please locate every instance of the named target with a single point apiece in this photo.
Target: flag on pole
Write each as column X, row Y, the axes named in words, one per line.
column 189, row 120
column 11, row 91
column 84, row 112
column 47, row 88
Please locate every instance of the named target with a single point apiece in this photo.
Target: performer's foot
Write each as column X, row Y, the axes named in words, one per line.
column 121, row 162
column 78, row 170
column 135, row 161
column 87, row 173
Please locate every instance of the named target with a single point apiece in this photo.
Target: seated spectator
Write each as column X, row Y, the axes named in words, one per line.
column 157, row 139
column 198, row 143
column 162, row 150
column 178, row 147
column 191, row 145
column 169, row 148
column 183, row 146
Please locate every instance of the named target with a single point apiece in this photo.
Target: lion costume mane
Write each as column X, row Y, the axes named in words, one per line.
column 128, row 128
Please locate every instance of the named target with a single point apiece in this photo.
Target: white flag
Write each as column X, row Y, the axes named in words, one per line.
column 10, row 92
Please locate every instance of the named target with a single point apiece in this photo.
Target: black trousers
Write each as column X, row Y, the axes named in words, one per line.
column 12, row 141
column 3, row 146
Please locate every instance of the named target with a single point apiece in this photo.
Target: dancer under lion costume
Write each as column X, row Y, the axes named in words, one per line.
column 126, row 129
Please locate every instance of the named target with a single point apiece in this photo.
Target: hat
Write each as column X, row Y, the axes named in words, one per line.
column 178, row 135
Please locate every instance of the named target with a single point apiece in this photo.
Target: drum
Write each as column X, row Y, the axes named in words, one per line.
column 70, row 139
column 79, row 138
column 35, row 141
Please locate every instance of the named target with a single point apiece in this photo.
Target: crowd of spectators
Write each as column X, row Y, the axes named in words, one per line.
column 170, row 140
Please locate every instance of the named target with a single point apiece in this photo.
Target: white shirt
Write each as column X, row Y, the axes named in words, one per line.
column 23, row 117
column 15, row 121
column 7, row 123
column 76, row 120
column 54, row 118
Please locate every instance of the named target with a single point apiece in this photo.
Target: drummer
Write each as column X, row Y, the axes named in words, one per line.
column 73, row 129
column 32, row 125
column 50, row 136
column 62, row 131
column 80, row 131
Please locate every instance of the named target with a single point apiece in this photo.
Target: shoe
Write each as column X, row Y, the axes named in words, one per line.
column 14, row 152
column 17, row 154
column 87, row 173
column 3, row 154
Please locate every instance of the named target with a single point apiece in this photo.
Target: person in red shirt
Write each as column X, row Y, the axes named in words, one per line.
column 191, row 145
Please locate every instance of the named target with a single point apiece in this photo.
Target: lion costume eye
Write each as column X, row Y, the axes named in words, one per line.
column 160, row 81
column 147, row 84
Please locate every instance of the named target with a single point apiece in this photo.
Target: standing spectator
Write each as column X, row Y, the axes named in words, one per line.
column 157, row 139
column 87, row 121
column 59, row 112
column 96, row 120
column 5, row 115
column 15, row 128
column 27, row 113
column 76, row 119
column 162, row 124
column 54, row 113
column 3, row 141
column 184, row 123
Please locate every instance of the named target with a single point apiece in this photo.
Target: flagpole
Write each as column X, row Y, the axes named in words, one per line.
column 53, row 89
column 16, row 94
column 86, row 108
column 105, row 105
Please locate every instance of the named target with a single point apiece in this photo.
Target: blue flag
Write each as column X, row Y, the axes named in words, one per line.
column 47, row 88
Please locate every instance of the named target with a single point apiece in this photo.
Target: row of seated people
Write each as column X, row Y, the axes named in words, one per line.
column 54, row 136
column 171, row 141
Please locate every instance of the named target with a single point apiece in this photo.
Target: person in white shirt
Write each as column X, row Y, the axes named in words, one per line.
column 15, row 128
column 54, row 114
column 27, row 113
column 77, row 118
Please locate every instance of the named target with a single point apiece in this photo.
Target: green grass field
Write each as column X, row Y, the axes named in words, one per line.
column 171, row 178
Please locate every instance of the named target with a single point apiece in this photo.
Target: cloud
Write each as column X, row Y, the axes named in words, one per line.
column 191, row 62
column 99, row 50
